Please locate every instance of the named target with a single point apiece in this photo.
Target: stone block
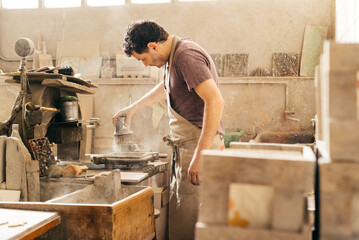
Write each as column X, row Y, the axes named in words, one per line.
column 32, row 166
column 338, row 177
column 336, row 215
column 112, row 181
column 318, row 105
column 288, row 210
column 2, row 158
column 324, row 93
column 355, row 215
column 250, row 205
column 341, row 57
column 232, row 166
column 9, row 195
column 33, row 186
column 219, row 232
column 342, row 96
column 214, row 199
column 343, row 140
column 16, row 157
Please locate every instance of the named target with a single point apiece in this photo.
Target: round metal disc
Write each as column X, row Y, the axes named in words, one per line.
column 24, row 47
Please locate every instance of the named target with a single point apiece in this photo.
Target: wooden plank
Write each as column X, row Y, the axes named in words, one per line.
column 68, row 86
column 36, row 223
column 81, row 82
column 137, row 213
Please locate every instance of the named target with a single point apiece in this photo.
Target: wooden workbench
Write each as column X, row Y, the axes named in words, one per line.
column 36, row 223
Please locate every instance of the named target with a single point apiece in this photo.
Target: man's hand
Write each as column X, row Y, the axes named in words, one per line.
column 193, row 170
column 157, row 94
column 128, row 112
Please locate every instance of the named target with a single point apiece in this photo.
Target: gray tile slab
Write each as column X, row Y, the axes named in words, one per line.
column 235, row 65
column 217, row 59
column 285, row 64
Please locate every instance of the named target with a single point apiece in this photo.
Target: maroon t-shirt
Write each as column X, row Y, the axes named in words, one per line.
column 191, row 65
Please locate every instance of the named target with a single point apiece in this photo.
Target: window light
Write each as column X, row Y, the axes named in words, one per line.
column 101, row 3
column 149, row 1
column 62, row 3
column 19, row 4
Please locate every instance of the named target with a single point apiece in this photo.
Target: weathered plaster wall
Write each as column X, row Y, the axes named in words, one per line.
column 252, row 104
column 257, row 27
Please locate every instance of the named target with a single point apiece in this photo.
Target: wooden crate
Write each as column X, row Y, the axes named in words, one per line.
column 131, row 217
column 288, row 169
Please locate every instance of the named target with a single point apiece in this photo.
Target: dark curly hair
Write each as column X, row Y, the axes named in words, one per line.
column 139, row 34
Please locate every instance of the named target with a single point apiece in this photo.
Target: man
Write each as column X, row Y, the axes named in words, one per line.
column 195, row 107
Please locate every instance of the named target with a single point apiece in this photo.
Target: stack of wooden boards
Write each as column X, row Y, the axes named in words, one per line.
column 68, row 83
column 338, row 140
column 267, row 184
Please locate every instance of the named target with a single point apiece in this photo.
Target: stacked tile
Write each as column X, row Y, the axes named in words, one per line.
column 339, row 150
column 284, row 171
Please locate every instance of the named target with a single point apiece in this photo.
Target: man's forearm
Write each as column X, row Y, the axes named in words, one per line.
column 156, row 95
column 211, row 120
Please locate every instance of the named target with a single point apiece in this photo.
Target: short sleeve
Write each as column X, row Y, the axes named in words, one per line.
column 193, row 66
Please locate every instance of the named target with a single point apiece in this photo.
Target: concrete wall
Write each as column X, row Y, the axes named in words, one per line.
column 257, row 27
column 253, row 104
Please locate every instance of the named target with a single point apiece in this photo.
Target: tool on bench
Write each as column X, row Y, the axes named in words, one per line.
column 122, row 133
column 32, row 107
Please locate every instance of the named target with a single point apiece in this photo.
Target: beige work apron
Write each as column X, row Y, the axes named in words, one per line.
column 183, row 139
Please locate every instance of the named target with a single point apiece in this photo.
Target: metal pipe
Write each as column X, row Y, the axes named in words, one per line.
column 8, row 60
column 287, row 110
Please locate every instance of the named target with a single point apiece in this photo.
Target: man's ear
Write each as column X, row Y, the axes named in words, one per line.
column 152, row 45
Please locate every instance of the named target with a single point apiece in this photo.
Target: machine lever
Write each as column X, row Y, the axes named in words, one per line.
column 31, row 107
